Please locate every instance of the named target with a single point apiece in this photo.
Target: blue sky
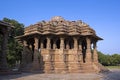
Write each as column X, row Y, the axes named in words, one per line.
column 101, row 15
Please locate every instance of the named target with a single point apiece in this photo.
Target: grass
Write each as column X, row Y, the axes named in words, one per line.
column 113, row 67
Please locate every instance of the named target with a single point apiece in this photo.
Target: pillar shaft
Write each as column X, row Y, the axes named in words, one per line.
column 24, row 61
column 80, row 45
column 41, row 44
column 75, row 43
column 88, row 51
column 88, row 44
column 36, row 42
column 80, row 55
column 30, row 46
column 36, row 64
column 54, row 44
column 61, row 43
column 4, row 52
column 48, row 43
column 67, row 45
column 25, row 43
column 36, row 52
column 95, row 55
column 47, row 57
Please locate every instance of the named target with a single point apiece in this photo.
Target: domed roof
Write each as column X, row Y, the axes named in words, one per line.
column 58, row 25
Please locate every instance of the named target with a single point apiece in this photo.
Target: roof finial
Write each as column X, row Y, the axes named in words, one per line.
column 57, row 18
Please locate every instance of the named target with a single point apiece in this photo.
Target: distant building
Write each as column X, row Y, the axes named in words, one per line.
column 60, row 46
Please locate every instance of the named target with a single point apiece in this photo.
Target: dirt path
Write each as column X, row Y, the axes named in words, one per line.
column 113, row 75
column 30, row 76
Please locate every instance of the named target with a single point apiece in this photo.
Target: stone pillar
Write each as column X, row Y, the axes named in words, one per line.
column 80, row 45
column 88, row 50
column 95, row 55
column 48, row 43
column 24, row 52
column 30, row 46
column 41, row 44
column 47, row 62
column 24, row 55
column 31, row 52
column 60, row 65
column 4, row 65
column 25, row 43
column 36, row 65
column 61, row 43
column 74, row 65
column 67, row 45
column 36, row 48
column 75, row 43
column 80, row 55
column 47, row 58
column 54, row 44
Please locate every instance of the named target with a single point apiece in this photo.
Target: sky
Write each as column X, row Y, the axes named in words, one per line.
column 102, row 15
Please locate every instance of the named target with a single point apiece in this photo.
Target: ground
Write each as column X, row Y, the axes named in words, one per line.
column 114, row 74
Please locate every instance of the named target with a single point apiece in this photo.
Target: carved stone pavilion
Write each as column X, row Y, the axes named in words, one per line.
column 60, row 46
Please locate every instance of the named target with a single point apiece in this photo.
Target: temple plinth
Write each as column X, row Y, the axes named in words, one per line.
column 61, row 46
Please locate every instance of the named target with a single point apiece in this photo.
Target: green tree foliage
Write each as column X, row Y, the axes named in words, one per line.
column 14, row 48
column 109, row 60
column 116, row 59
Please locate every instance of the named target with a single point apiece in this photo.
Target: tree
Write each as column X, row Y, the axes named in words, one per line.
column 14, row 48
column 109, row 60
column 116, row 59
column 102, row 58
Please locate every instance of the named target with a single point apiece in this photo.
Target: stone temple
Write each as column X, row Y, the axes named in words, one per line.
column 60, row 46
